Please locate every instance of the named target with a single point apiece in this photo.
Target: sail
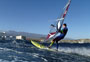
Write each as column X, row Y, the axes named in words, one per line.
column 59, row 23
column 64, row 13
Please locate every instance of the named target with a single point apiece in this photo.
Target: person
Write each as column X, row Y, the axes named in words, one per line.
column 61, row 36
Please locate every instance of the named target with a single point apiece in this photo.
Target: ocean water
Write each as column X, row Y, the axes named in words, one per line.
column 24, row 51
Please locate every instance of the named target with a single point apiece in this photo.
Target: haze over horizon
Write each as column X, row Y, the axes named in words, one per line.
column 35, row 16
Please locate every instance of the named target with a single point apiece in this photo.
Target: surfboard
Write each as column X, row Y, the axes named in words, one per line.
column 40, row 46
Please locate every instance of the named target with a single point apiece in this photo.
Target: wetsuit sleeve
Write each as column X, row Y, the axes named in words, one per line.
column 61, row 31
column 64, row 31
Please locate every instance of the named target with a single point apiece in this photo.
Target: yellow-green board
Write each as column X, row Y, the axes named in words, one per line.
column 41, row 46
column 37, row 44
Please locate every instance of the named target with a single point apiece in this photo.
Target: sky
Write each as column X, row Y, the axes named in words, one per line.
column 35, row 16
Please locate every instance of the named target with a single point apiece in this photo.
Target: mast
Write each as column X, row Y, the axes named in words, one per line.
column 64, row 14
column 59, row 23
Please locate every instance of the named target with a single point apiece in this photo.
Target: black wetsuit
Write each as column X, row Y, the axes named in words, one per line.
column 61, row 36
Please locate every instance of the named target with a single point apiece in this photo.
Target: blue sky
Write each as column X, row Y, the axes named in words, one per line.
column 35, row 16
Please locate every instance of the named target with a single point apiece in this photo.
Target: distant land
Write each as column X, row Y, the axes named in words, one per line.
column 76, row 41
column 28, row 35
column 43, row 37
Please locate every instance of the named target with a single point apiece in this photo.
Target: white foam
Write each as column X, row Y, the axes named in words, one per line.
column 1, row 60
column 35, row 55
column 16, row 59
column 81, row 51
column 7, row 49
column 44, row 59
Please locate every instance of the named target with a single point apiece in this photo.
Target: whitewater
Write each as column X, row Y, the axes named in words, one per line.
column 24, row 51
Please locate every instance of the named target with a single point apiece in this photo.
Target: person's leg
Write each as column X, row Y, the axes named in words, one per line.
column 58, row 39
column 53, row 42
column 57, row 45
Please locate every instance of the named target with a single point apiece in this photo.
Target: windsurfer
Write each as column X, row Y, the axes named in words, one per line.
column 61, row 36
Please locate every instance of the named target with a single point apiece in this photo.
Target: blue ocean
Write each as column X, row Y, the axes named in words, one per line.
column 24, row 51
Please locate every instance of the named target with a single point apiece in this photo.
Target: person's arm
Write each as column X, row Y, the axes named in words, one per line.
column 61, row 31
column 52, row 25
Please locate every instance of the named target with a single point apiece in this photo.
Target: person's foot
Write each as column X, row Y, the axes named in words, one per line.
column 49, row 47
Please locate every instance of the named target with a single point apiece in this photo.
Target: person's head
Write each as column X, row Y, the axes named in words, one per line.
column 64, row 25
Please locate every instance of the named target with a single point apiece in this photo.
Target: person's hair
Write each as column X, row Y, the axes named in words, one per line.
column 65, row 24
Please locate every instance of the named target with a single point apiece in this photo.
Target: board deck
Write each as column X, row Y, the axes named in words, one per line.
column 36, row 44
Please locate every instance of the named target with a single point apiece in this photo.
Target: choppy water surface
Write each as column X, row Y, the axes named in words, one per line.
column 24, row 51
